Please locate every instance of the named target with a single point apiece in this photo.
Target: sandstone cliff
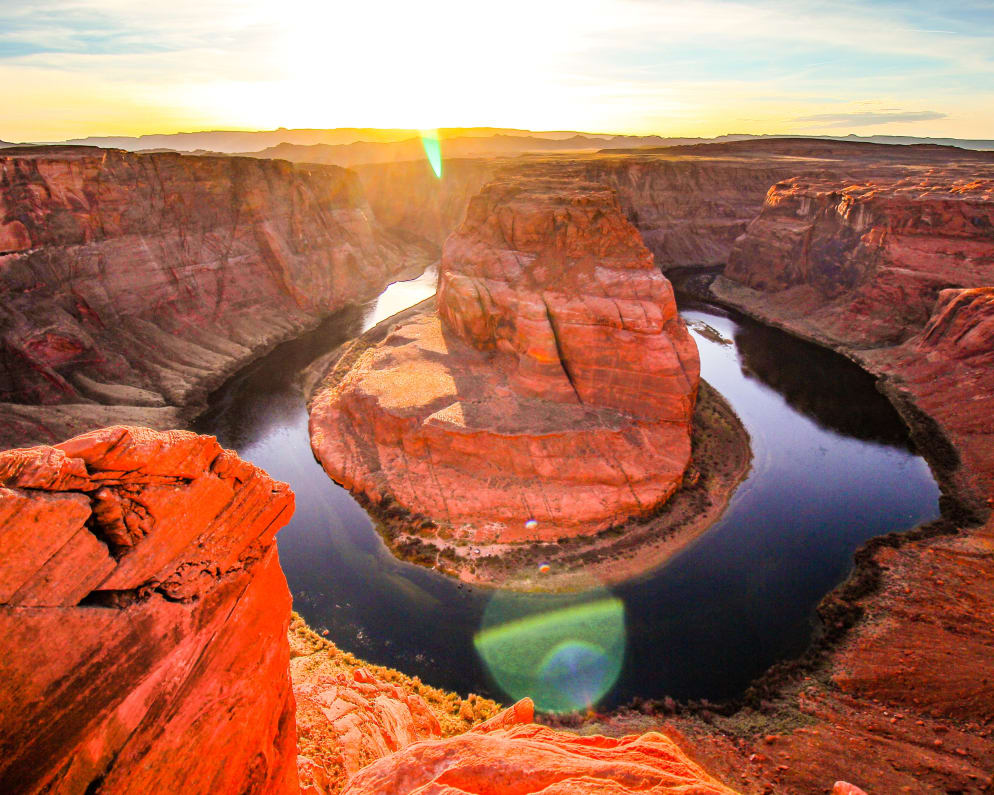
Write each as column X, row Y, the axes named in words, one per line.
column 884, row 270
column 551, row 395
column 132, row 284
column 689, row 203
column 144, row 616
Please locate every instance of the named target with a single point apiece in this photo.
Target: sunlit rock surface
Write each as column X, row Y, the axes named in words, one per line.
column 144, row 616
column 359, row 719
column 510, row 754
column 132, row 284
column 550, row 395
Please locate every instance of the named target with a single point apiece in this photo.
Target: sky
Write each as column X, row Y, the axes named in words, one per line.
column 71, row 68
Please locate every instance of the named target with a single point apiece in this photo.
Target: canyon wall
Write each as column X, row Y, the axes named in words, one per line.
column 133, row 284
column 688, row 210
column 552, row 393
column 894, row 272
column 144, row 617
column 409, row 197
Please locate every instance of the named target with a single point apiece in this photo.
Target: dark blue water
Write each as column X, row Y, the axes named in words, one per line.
column 832, row 467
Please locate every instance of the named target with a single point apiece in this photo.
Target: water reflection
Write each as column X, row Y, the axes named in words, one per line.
column 820, row 390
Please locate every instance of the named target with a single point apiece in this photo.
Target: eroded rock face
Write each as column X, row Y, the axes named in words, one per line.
column 144, row 617
column 897, row 274
column 879, row 251
column 130, row 284
column 550, row 395
column 510, row 754
column 358, row 719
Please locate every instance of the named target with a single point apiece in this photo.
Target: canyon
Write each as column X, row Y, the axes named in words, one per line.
column 133, row 284
column 881, row 253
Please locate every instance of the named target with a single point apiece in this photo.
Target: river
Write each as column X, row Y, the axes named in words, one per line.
column 833, row 466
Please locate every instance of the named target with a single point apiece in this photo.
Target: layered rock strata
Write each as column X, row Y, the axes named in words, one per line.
column 550, row 395
column 896, row 274
column 689, row 203
column 510, row 754
column 132, row 284
column 144, row 617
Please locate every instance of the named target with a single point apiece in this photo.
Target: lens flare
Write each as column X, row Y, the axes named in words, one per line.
column 433, row 150
column 565, row 652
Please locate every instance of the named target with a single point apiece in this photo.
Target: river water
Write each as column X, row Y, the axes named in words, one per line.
column 833, row 467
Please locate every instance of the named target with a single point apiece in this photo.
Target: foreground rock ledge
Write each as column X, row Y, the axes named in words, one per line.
column 551, row 394
column 144, row 615
column 510, row 754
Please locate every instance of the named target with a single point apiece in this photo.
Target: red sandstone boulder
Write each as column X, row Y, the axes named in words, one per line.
column 144, row 618
column 556, row 383
column 509, row 755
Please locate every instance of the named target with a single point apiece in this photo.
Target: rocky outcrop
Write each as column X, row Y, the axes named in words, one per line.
column 132, row 284
column 551, row 394
column 144, row 617
column 510, row 754
column 358, row 719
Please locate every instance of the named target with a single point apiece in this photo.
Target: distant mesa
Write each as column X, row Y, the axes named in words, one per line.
column 550, row 394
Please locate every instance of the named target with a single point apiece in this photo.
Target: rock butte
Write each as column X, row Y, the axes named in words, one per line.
column 132, row 284
column 550, row 395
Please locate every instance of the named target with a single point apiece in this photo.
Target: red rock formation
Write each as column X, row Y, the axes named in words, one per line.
column 139, row 282
column 878, row 251
column 868, row 269
column 555, row 384
column 897, row 275
column 689, row 203
column 509, row 755
column 144, row 616
column 359, row 719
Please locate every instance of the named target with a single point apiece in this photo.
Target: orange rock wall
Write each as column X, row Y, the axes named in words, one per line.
column 144, row 618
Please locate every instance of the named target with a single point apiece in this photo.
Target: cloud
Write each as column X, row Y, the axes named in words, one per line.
column 868, row 118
